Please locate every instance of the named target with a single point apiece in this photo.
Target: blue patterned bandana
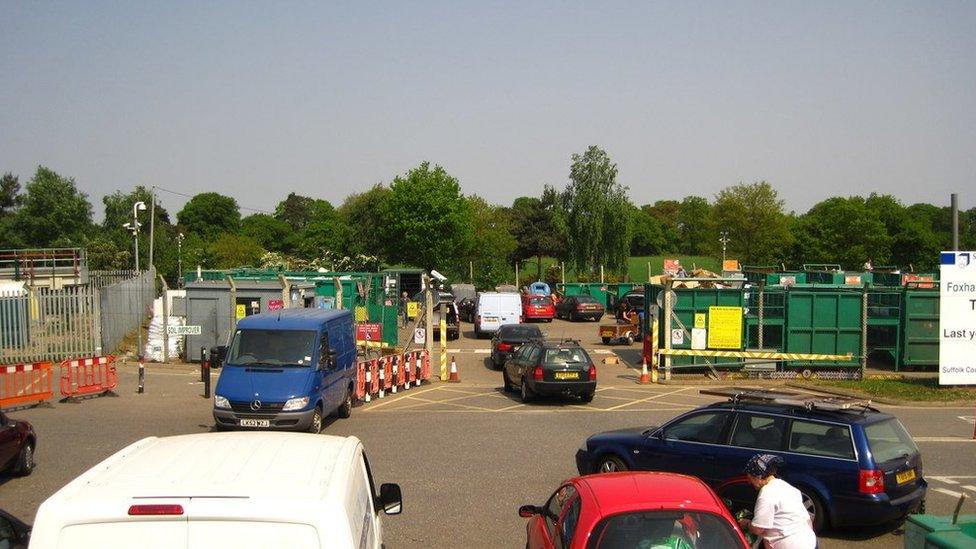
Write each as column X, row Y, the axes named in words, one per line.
column 760, row 464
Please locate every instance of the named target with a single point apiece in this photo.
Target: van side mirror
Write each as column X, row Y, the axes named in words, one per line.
column 391, row 499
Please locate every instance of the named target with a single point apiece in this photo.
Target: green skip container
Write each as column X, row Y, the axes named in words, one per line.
column 931, row 531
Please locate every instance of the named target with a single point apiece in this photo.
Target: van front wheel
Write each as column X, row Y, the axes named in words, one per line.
column 316, row 425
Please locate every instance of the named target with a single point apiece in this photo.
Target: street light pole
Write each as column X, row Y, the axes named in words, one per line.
column 134, row 227
column 724, row 239
column 179, row 260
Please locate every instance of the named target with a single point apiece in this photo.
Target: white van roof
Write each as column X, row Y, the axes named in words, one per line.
column 239, row 464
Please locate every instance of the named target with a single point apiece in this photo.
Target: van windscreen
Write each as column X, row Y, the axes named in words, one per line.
column 272, row 348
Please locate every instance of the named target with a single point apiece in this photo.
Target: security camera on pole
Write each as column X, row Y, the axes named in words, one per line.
column 134, row 227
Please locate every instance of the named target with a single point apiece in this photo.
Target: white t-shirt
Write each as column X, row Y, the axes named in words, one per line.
column 780, row 511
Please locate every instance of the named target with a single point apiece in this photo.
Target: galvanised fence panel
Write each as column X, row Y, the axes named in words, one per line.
column 43, row 324
column 123, row 306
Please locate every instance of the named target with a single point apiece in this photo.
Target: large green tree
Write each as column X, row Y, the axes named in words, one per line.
column 649, row 237
column 844, row 231
column 234, row 250
column 757, row 224
column 118, row 212
column 362, row 214
column 693, row 220
column 913, row 242
column 666, row 213
column 270, row 232
column 296, row 210
column 53, row 213
column 324, row 232
column 535, row 228
column 599, row 227
column 491, row 246
column 427, row 219
column 9, row 202
column 209, row 215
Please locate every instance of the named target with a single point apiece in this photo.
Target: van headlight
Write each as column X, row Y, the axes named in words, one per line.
column 221, row 402
column 295, row 404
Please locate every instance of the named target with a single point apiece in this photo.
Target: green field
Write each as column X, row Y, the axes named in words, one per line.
column 637, row 266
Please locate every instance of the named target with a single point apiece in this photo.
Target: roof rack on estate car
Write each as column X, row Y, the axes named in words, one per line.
column 789, row 398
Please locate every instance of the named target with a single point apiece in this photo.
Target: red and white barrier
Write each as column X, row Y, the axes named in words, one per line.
column 374, row 378
column 88, row 376
column 25, row 384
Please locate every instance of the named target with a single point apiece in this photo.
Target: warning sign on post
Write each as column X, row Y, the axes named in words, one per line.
column 369, row 332
column 725, row 327
column 957, row 318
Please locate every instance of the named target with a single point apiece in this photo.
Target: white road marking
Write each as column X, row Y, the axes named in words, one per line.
column 483, row 351
column 949, row 493
column 970, row 487
column 601, row 351
column 944, row 439
column 968, row 419
column 946, row 480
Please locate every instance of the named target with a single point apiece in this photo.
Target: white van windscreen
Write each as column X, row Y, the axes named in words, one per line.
column 272, row 348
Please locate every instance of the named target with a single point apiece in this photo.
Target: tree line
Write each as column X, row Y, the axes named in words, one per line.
column 422, row 219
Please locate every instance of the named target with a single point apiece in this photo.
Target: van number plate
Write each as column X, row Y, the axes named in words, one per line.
column 255, row 423
column 905, row 476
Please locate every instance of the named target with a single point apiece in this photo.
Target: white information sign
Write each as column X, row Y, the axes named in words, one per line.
column 420, row 336
column 183, row 330
column 677, row 336
column 699, row 339
column 957, row 318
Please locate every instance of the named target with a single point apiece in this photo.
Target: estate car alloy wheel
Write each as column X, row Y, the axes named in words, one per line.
column 610, row 464
column 814, row 507
column 526, row 392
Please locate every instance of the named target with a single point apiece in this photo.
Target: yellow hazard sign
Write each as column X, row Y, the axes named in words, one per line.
column 361, row 314
column 241, row 311
column 699, row 320
column 725, row 327
column 412, row 309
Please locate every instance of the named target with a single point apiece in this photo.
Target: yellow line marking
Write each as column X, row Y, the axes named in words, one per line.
column 659, row 395
column 369, row 406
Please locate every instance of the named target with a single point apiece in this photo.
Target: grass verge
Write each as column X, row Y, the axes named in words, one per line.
column 921, row 390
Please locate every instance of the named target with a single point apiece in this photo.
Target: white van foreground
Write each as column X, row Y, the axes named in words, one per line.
column 248, row 489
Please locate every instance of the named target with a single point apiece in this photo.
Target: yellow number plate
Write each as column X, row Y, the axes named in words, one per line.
column 567, row 375
column 905, row 476
column 607, row 333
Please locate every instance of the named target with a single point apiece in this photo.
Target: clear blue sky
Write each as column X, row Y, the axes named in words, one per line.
column 325, row 99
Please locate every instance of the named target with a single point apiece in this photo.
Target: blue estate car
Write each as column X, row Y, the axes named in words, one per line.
column 853, row 464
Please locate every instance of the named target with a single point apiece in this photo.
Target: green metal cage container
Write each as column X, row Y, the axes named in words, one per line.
column 688, row 302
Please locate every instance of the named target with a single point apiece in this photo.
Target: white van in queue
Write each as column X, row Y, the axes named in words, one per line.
column 496, row 309
column 247, row 489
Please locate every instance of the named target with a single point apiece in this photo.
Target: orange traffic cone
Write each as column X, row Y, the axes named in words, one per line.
column 644, row 377
column 454, row 378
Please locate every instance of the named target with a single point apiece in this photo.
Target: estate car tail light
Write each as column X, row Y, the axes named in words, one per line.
column 156, row 509
column 504, row 347
column 537, row 373
column 592, row 372
column 871, row 481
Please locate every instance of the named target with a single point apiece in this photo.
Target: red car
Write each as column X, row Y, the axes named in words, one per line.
column 632, row 509
column 538, row 307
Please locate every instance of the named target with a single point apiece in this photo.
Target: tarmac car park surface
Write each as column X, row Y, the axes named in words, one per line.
column 466, row 454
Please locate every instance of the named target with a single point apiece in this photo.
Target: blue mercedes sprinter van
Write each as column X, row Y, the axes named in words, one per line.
column 286, row 370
